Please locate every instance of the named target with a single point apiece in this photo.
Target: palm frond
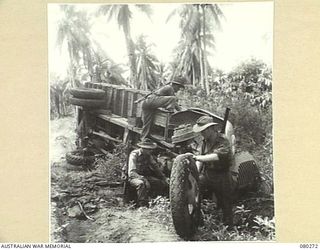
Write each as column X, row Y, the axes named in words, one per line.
column 211, row 44
column 216, row 13
column 147, row 64
column 113, row 12
column 145, row 8
column 173, row 13
column 190, row 23
column 153, row 58
column 150, row 64
column 103, row 10
column 123, row 18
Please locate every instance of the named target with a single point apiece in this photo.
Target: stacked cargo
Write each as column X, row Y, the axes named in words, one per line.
column 121, row 100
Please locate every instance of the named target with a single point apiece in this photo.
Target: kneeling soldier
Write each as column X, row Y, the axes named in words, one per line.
column 144, row 174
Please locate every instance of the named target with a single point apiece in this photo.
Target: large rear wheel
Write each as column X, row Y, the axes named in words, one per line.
column 185, row 196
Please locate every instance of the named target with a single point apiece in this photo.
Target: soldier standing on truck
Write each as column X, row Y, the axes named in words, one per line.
column 214, row 164
column 161, row 98
column 144, row 173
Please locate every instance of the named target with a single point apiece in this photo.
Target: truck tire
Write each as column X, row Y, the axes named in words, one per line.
column 87, row 103
column 185, row 196
column 87, row 93
column 246, row 172
column 79, row 157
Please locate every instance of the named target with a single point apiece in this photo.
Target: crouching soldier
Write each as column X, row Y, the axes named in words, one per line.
column 214, row 164
column 144, row 174
column 161, row 98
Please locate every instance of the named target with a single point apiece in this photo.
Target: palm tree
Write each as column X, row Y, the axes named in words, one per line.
column 188, row 60
column 164, row 73
column 146, row 65
column 111, row 72
column 214, row 11
column 74, row 30
column 196, row 20
column 188, row 50
column 122, row 13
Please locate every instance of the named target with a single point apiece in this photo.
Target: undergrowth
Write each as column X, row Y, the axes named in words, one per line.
column 254, row 220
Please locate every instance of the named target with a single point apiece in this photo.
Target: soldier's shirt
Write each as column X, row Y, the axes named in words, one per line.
column 166, row 90
column 142, row 164
column 222, row 147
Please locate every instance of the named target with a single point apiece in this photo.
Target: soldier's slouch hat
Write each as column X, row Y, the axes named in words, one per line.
column 147, row 143
column 181, row 81
column 202, row 123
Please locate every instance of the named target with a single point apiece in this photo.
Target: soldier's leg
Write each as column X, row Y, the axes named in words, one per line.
column 203, row 184
column 207, row 186
column 148, row 108
column 167, row 102
column 205, row 191
column 142, row 191
column 226, row 200
column 216, row 183
column 158, row 186
column 147, row 116
column 219, row 198
column 227, row 211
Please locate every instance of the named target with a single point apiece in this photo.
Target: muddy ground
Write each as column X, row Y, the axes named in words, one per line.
column 87, row 204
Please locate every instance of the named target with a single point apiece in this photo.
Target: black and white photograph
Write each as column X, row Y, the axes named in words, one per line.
column 161, row 124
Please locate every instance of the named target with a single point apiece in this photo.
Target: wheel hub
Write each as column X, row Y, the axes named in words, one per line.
column 192, row 193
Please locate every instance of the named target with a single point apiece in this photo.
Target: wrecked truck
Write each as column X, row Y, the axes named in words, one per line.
column 110, row 114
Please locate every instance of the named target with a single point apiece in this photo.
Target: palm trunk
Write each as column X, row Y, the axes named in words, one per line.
column 145, row 75
column 201, row 66
column 200, row 52
column 132, row 59
column 71, row 74
column 193, row 76
column 89, row 64
column 204, row 58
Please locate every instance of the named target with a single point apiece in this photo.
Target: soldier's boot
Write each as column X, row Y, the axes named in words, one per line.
column 227, row 218
column 142, row 195
column 142, row 203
